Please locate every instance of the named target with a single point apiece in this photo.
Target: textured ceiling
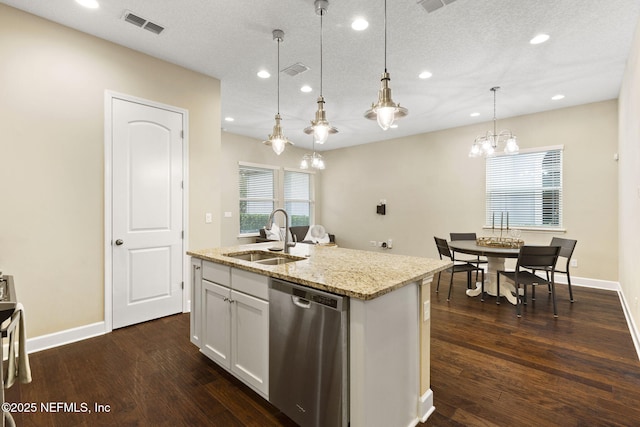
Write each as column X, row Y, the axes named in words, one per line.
column 468, row 45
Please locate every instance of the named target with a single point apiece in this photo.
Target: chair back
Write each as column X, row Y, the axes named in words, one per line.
column 538, row 257
column 443, row 248
column 462, row 236
column 566, row 246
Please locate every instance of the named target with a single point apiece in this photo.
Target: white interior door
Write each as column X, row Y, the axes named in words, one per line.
column 147, row 210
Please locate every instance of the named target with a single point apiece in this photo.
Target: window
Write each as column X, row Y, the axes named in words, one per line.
column 265, row 188
column 257, row 197
column 528, row 186
column 297, row 197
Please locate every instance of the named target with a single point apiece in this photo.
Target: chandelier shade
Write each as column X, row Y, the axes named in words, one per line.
column 277, row 140
column 486, row 145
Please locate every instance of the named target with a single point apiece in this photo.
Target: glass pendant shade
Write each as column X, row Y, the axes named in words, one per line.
column 320, row 127
column 385, row 111
column 277, row 140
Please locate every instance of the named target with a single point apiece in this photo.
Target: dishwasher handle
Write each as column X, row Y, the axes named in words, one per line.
column 300, row 302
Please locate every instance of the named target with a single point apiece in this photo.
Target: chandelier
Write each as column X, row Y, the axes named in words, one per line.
column 320, row 127
column 313, row 161
column 385, row 111
column 277, row 140
column 485, row 145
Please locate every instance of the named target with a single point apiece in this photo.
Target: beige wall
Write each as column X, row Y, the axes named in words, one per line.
column 52, row 85
column 629, row 179
column 432, row 187
column 235, row 149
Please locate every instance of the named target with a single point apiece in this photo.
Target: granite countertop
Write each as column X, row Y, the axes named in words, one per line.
column 355, row 273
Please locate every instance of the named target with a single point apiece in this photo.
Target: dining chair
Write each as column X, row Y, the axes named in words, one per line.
column 566, row 251
column 531, row 259
column 445, row 252
column 469, row 236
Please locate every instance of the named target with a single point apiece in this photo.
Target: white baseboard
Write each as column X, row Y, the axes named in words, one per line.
column 67, row 336
column 635, row 335
column 426, row 407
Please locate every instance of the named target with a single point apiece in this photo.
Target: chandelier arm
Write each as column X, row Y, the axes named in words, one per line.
column 278, row 71
column 321, row 15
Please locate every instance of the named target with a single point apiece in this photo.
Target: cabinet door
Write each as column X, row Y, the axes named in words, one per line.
column 250, row 341
column 196, row 298
column 216, row 323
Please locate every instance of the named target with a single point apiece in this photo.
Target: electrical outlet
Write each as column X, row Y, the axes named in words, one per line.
column 574, row 263
column 373, row 243
column 389, row 243
column 208, row 217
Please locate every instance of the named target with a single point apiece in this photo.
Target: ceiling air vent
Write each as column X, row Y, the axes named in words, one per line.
column 295, row 69
column 432, row 5
column 138, row 21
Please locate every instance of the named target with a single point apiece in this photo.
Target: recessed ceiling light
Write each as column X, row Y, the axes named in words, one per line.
column 306, row 88
column 557, row 97
column 264, row 74
column 474, row 114
column 540, row 38
column 425, row 75
column 90, row 4
column 359, row 24
column 229, row 119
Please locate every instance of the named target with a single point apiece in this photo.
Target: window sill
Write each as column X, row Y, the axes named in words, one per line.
column 541, row 229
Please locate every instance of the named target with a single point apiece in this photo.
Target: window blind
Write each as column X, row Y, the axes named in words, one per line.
column 527, row 186
column 257, row 197
column 298, row 197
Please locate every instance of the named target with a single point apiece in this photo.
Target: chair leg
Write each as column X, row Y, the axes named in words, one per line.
column 438, row 284
column 450, row 285
column 553, row 297
column 548, row 282
column 569, row 284
column 533, row 293
column 497, row 287
column 518, row 301
column 469, row 279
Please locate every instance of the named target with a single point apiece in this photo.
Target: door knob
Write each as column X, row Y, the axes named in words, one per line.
column 119, row 242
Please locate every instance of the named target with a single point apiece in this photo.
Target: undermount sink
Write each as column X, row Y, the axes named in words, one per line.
column 264, row 258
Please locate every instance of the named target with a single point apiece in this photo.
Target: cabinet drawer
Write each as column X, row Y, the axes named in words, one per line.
column 216, row 273
column 250, row 283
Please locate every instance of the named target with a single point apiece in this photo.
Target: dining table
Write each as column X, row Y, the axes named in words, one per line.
column 495, row 262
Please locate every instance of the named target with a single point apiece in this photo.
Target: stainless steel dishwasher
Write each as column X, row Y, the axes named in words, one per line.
column 308, row 354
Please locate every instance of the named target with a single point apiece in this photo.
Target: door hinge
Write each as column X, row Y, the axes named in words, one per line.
column 182, row 184
column 182, row 134
column 182, row 234
column 182, row 285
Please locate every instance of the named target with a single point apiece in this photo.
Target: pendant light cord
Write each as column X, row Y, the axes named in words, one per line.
column 321, row 15
column 385, row 36
column 278, row 71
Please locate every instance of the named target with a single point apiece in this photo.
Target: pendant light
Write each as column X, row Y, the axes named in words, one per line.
column 385, row 111
column 320, row 127
column 485, row 145
column 277, row 140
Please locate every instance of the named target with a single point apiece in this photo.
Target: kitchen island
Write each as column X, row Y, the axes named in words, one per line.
column 388, row 333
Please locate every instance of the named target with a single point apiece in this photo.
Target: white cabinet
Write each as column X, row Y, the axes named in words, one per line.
column 216, row 323
column 250, row 340
column 195, row 327
column 235, row 323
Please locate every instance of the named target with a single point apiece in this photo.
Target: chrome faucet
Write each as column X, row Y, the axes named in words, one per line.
column 287, row 243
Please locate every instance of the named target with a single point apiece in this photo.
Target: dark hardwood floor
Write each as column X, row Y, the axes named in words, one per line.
column 488, row 368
